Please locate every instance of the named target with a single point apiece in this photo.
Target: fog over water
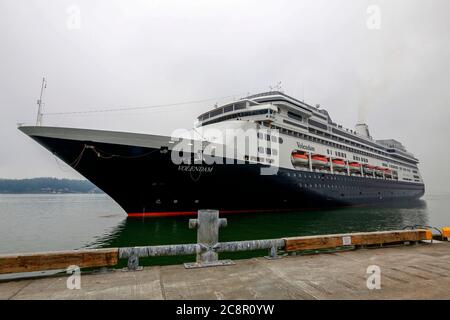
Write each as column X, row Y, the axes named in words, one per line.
column 383, row 62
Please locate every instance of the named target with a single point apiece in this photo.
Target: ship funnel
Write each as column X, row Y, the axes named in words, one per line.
column 363, row 130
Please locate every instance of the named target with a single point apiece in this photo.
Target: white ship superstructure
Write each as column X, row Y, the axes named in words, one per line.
column 312, row 141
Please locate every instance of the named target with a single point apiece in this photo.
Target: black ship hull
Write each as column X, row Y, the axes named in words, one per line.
column 144, row 181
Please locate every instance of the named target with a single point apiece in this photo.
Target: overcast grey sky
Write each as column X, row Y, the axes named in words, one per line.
column 394, row 71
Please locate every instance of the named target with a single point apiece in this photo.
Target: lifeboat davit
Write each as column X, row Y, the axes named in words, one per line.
column 385, row 171
column 339, row 164
column 319, row 160
column 369, row 169
column 378, row 171
column 354, row 166
column 300, row 158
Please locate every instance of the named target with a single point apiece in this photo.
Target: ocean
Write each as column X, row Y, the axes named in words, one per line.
column 47, row 222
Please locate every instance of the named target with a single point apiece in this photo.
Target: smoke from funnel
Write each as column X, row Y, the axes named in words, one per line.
column 362, row 113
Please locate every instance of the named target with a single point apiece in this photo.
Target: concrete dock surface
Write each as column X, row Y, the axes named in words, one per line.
column 419, row 271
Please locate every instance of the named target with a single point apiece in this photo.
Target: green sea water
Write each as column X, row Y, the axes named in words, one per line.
column 33, row 223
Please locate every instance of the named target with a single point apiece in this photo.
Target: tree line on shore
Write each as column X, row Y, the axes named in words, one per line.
column 47, row 185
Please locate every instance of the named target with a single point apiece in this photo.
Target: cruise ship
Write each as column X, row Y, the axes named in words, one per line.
column 293, row 157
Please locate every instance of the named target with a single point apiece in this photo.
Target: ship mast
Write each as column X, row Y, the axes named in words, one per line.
column 40, row 103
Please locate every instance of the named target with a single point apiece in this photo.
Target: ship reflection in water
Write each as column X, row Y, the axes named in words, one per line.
column 174, row 230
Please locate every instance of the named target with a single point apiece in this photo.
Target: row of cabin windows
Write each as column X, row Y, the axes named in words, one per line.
column 238, row 115
column 258, row 159
column 229, row 108
column 333, row 186
column 322, row 177
column 339, row 139
column 295, row 116
column 317, row 176
column 340, row 154
column 326, row 142
column 329, row 186
column 268, row 151
column 361, row 159
column 268, row 137
column 337, row 153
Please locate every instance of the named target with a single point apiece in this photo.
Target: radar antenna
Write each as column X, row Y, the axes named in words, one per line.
column 277, row 87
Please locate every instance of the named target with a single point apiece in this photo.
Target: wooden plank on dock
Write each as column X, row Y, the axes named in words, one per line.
column 14, row 263
column 354, row 239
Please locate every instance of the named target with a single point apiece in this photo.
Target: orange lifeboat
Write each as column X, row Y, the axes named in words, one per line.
column 319, row 160
column 355, row 166
column 339, row 164
column 299, row 158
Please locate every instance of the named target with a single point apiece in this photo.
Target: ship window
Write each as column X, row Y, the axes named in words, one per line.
column 280, row 140
column 268, row 151
column 228, row 108
column 239, row 106
column 216, row 112
column 294, row 116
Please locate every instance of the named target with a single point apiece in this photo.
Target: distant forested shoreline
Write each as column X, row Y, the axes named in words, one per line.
column 46, row 185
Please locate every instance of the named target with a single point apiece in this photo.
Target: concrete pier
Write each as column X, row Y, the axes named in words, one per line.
column 419, row 271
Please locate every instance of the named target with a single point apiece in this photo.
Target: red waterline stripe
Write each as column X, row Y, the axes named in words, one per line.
column 194, row 213
column 163, row 214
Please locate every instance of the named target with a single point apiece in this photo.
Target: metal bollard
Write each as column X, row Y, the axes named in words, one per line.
column 207, row 225
column 133, row 262
column 273, row 253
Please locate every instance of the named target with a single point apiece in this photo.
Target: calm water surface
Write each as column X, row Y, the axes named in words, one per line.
column 31, row 223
